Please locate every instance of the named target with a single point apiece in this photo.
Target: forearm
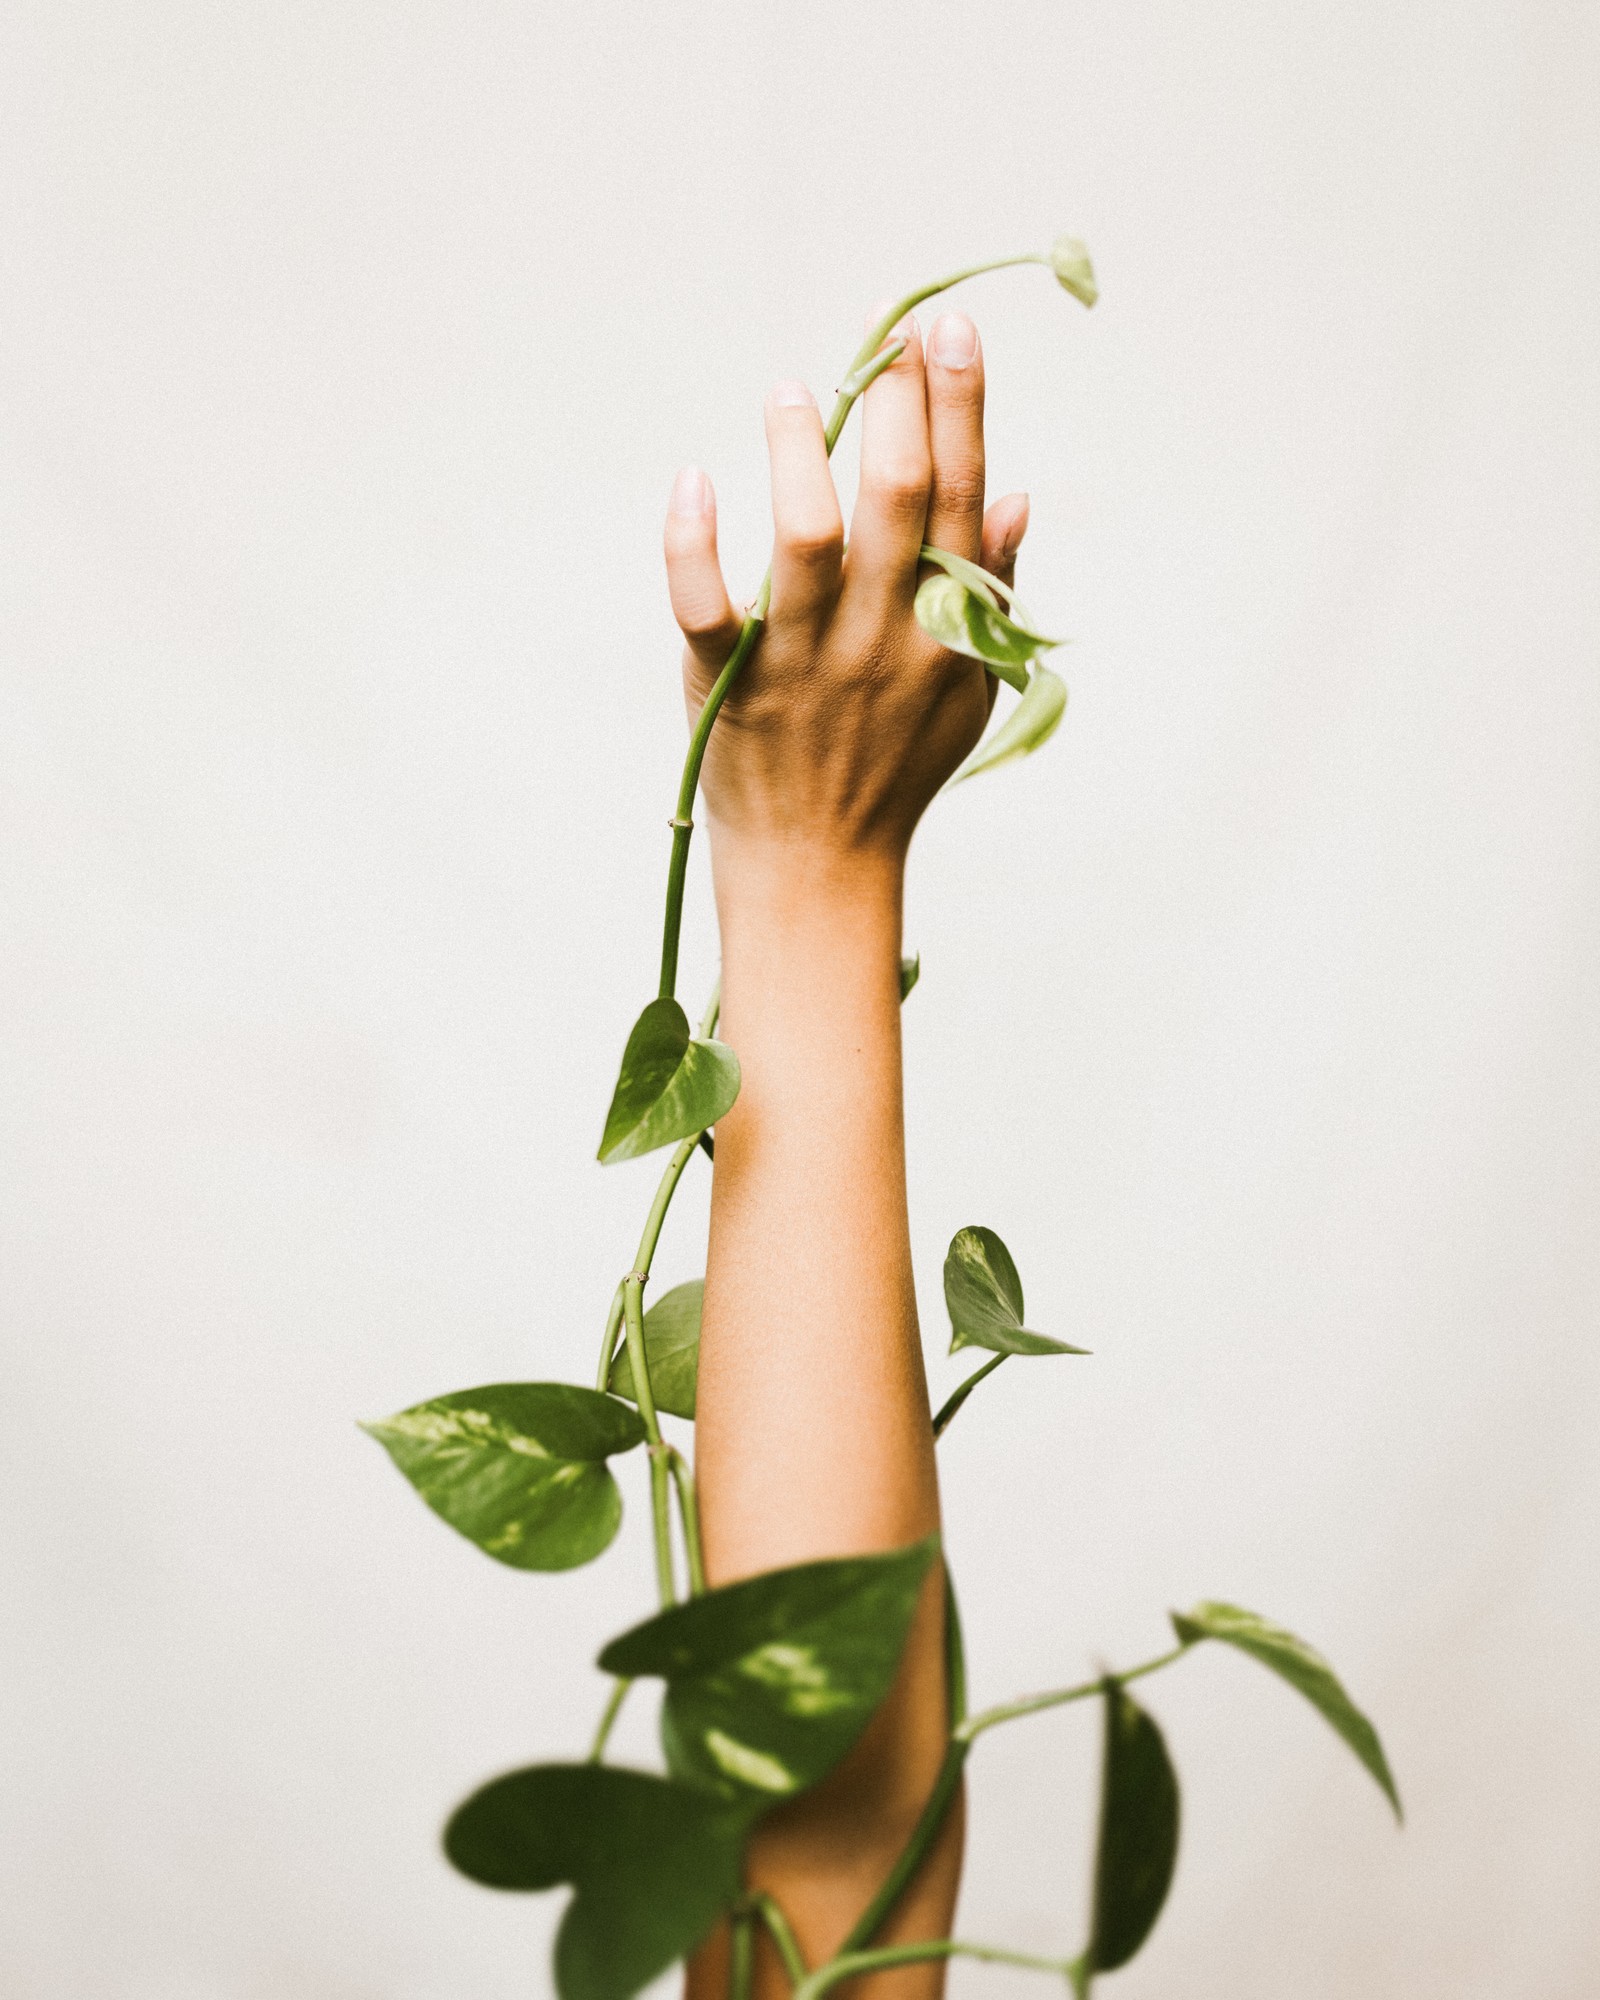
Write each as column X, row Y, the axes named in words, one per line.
column 810, row 1339
column 813, row 1431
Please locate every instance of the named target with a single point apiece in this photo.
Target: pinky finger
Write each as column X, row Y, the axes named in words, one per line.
column 700, row 601
column 1004, row 526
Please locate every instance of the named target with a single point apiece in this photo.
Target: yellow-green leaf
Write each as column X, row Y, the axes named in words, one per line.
column 518, row 1467
column 1031, row 724
column 771, row 1681
column 1302, row 1667
column 670, row 1086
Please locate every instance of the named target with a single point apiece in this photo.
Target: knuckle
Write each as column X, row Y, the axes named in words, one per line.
column 900, row 486
column 814, row 543
column 699, row 615
column 959, row 485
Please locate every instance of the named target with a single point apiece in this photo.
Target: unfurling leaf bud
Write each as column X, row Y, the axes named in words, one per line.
column 1069, row 259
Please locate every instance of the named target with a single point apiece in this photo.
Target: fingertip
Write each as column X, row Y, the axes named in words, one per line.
column 692, row 496
column 791, row 395
column 953, row 342
column 1004, row 526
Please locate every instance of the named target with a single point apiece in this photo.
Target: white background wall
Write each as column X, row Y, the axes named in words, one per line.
column 348, row 353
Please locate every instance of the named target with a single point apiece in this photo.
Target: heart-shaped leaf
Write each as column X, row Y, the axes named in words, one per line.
column 518, row 1467
column 1138, row 1844
column 770, row 1681
column 671, row 1084
column 984, row 1296
column 1301, row 1666
column 910, row 973
column 1032, row 723
column 1069, row 259
column 671, row 1348
column 654, row 1865
column 954, row 615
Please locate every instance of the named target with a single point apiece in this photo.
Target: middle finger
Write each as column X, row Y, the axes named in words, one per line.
column 891, row 512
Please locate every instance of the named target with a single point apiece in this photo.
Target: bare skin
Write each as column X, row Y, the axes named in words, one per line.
column 813, row 1428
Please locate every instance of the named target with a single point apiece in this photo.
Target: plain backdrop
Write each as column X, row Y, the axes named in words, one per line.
column 348, row 353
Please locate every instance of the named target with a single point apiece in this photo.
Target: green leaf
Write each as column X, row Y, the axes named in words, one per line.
column 654, row 1865
column 518, row 1467
column 770, row 1681
column 1032, row 723
column 910, row 973
column 1301, row 1666
column 984, row 1296
column 670, row 1087
column 1069, row 259
column 954, row 615
column 671, row 1347
column 1138, row 1844
column 984, row 584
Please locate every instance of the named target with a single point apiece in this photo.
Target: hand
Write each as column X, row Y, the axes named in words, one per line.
column 848, row 717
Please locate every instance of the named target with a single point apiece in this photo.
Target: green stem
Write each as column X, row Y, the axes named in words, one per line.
column 850, row 1963
column 1031, row 1704
column 741, row 1954
column 689, row 784
column 689, row 1515
column 613, row 1707
column 941, row 1423
column 666, row 1188
column 660, row 1494
column 923, row 1834
column 782, row 1936
column 608, row 1343
column 945, row 1786
column 858, row 376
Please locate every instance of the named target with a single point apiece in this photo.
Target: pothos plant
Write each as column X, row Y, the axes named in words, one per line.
column 770, row 1681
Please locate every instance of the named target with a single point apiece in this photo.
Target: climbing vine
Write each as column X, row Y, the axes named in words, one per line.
column 655, row 1859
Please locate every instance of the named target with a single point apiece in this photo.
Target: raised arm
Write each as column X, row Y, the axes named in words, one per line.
column 812, row 1424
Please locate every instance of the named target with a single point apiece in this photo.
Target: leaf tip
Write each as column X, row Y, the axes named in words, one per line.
column 1069, row 259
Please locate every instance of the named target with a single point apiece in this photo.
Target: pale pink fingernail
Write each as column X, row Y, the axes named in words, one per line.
column 792, row 396
column 955, row 341
column 1011, row 541
column 691, row 493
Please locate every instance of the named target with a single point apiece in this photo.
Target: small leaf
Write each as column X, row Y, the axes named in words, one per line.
column 959, row 619
column 1031, row 724
column 984, row 1296
column 671, row 1347
column 1069, row 259
column 984, row 584
column 770, row 1681
column 1138, row 1845
column 654, row 1865
column 518, row 1467
column 670, row 1086
column 910, row 973
column 1301, row 1666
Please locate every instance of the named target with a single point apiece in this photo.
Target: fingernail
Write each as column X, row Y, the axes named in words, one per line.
column 792, row 396
column 955, row 340
column 1011, row 541
column 691, row 493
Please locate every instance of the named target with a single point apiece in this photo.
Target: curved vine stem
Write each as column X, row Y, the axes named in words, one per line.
column 864, row 365
column 777, row 1926
column 849, row 1964
column 941, row 1423
column 613, row 1707
column 667, row 1467
column 689, row 1516
column 945, row 1786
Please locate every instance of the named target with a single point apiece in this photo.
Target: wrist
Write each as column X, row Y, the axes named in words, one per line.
column 771, row 894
